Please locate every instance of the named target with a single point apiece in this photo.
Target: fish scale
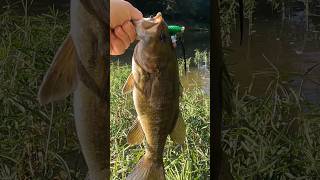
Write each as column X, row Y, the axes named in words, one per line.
column 154, row 82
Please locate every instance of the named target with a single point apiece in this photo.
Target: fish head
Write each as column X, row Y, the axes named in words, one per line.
column 153, row 29
column 155, row 48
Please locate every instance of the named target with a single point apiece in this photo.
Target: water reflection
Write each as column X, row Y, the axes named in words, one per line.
column 288, row 45
column 196, row 78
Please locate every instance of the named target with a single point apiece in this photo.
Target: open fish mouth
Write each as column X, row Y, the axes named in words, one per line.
column 153, row 20
column 145, row 25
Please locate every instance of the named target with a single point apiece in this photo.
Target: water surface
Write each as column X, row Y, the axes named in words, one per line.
column 288, row 45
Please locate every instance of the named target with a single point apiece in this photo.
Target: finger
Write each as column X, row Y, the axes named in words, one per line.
column 116, row 44
column 130, row 30
column 123, row 36
column 135, row 13
column 112, row 50
column 116, row 48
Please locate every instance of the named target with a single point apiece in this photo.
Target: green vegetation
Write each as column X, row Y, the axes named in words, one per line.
column 36, row 142
column 188, row 162
column 274, row 136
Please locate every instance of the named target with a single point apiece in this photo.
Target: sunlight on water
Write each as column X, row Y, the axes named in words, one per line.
column 197, row 78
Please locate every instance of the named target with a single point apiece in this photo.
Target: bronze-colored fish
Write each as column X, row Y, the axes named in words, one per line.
column 156, row 89
column 80, row 67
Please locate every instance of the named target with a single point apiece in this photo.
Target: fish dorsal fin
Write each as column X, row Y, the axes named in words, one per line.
column 128, row 86
column 136, row 134
column 61, row 78
column 178, row 133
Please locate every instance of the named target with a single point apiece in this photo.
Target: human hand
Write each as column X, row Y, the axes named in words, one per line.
column 122, row 31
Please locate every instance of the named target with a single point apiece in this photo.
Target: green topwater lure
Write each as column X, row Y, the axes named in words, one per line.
column 174, row 29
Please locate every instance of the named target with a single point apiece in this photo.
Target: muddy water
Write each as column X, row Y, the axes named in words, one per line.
column 288, row 46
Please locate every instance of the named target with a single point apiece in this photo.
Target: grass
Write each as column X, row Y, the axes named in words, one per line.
column 274, row 136
column 36, row 142
column 181, row 163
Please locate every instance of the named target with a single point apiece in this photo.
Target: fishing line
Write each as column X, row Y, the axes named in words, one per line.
column 185, row 60
column 184, row 55
column 177, row 31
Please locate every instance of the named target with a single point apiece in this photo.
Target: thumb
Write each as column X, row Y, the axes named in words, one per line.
column 135, row 14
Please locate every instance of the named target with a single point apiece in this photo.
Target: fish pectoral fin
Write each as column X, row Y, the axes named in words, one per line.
column 61, row 78
column 136, row 134
column 128, row 86
column 178, row 133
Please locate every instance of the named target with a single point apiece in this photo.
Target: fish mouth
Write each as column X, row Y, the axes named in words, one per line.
column 158, row 18
column 150, row 20
column 147, row 25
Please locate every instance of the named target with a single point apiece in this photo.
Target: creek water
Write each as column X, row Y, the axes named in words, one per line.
column 288, row 45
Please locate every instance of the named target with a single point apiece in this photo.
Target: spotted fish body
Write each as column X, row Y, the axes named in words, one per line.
column 156, row 89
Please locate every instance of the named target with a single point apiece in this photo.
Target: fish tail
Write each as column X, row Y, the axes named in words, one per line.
column 148, row 169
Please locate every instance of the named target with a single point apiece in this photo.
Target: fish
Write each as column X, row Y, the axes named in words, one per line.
column 155, row 85
column 80, row 67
